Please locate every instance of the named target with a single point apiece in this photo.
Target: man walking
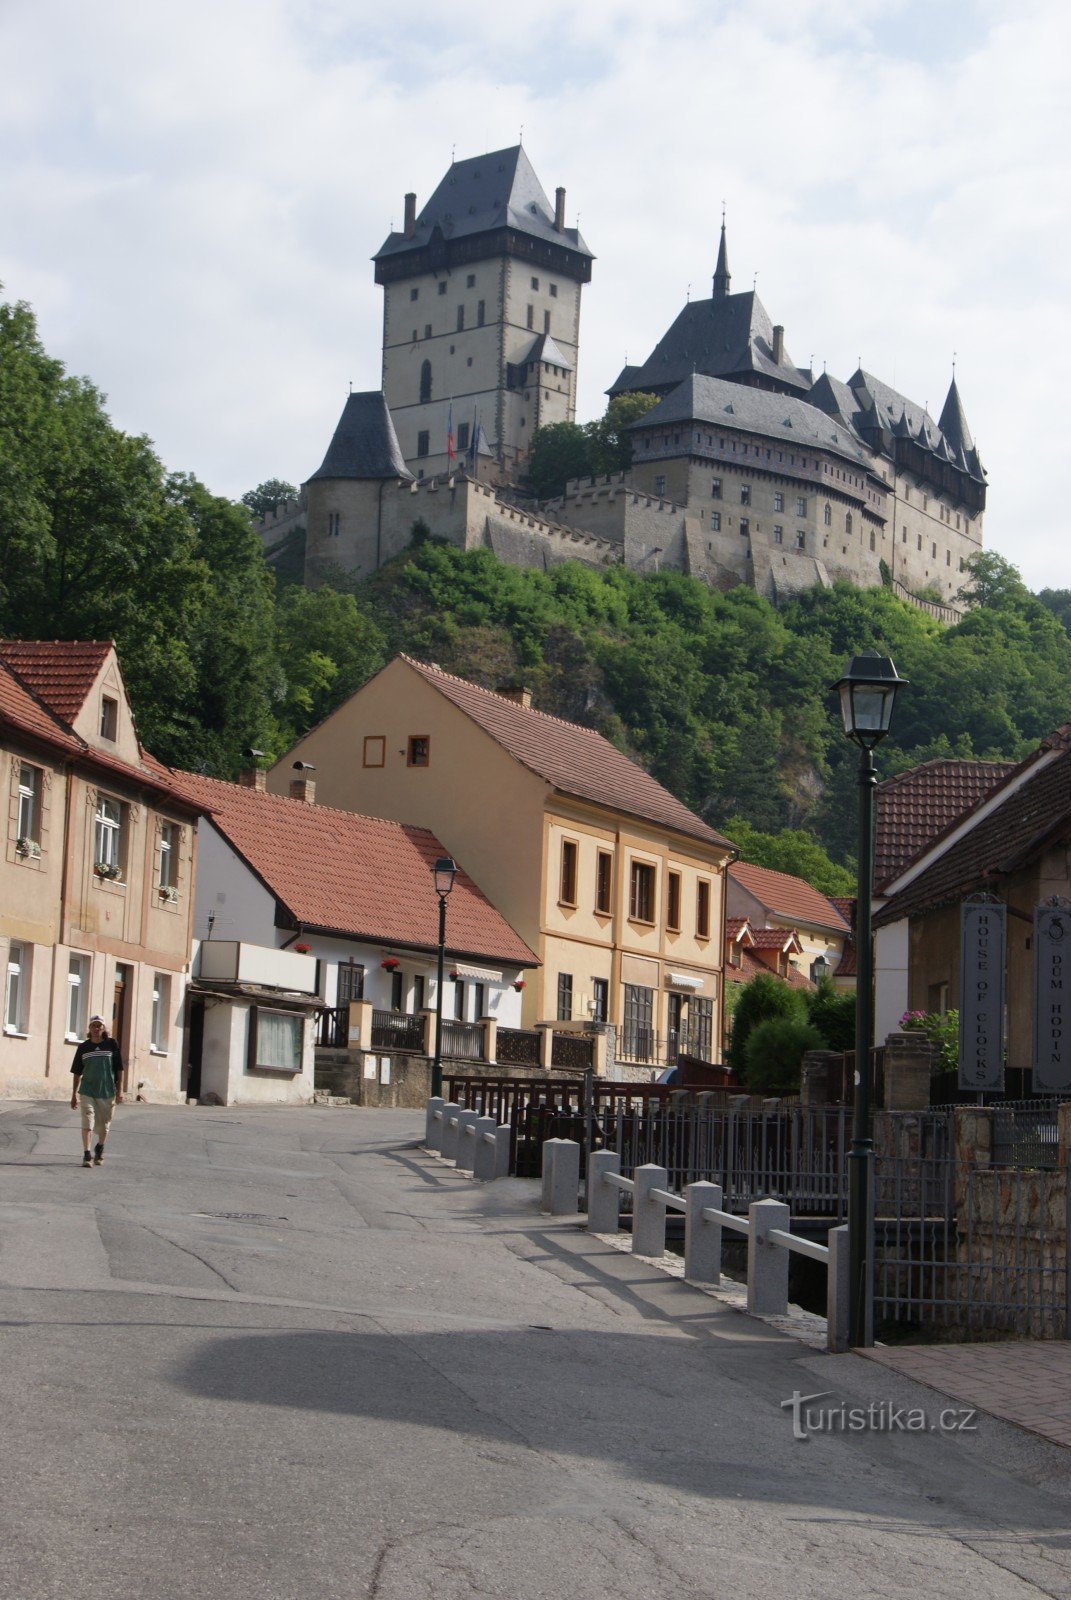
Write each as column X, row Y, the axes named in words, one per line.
column 98, row 1087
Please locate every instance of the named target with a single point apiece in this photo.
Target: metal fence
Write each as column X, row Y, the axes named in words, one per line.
column 1026, row 1134
column 393, row 1030
column 332, row 1028
column 576, row 1050
column 463, row 1040
column 518, row 1047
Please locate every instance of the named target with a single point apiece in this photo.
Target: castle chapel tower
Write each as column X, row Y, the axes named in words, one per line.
column 481, row 316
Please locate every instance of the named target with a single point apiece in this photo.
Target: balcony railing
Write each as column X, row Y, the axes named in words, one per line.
column 571, row 1050
column 392, row 1030
column 462, row 1041
column 518, row 1047
column 332, row 1028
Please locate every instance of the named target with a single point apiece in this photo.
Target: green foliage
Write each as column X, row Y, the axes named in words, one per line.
column 559, row 452
column 774, row 1054
column 942, row 1030
column 760, row 1000
column 327, row 646
column 791, row 850
column 609, row 445
column 266, row 498
column 833, row 1014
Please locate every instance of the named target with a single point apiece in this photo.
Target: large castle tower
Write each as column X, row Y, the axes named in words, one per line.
column 481, row 314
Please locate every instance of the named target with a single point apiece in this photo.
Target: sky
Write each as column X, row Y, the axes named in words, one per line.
column 190, row 196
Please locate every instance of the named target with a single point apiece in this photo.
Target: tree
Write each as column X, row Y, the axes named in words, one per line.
column 609, row 445
column 559, row 452
column 791, row 850
column 833, row 1014
column 764, row 997
column 327, row 646
column 991, row 581
column 774, row 1054
column 265, row 499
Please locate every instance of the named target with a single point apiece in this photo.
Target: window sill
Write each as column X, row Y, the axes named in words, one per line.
column 15, row 1033
column 72, row 1038
column 643, row 922
column 153, row 1051
column 291, row 1072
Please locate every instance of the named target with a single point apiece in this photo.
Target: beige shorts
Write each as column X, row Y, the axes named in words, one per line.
column 96, row 1114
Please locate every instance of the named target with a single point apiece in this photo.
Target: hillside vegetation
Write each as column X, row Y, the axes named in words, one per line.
column 725, row 699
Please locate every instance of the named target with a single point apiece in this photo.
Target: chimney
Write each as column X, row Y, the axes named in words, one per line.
column 410, row 215
column 254, row 778
column 303, row 787
column 779, row 344
column 517, row 692
column 559, row 209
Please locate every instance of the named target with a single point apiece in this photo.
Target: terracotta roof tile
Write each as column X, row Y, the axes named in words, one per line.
column 752, row 966
column 916, row 806
column 362, row 877
column 734, row 927
column 60, row 672
column 575, row 760
column 23, row 710
column 784, row 895
column 775, row 939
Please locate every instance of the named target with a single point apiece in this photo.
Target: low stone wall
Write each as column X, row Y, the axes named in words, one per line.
column 367, row 1078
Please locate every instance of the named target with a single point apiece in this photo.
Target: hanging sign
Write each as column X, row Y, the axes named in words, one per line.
column 1052, row 995
column 981, row 993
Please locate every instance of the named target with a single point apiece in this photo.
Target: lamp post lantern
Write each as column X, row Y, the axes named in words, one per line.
column 445, row 871
column 867, row 693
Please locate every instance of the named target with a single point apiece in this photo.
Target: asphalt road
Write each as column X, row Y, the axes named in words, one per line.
column 284, row 1355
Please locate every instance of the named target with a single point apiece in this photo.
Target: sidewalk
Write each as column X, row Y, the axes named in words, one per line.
column 1024, row 1381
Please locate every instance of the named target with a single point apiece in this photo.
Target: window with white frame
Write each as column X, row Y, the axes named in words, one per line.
column 275, row 1040
column 29, row 823
column 108, row 834
column 168, row 855
column 109, row 718
column 161, row 1006
column 17, row 994
column 77, row 996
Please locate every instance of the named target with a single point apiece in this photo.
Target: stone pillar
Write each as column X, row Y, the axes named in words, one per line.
column 974, row 1145
column 428, row 1019
column 908, row 1065
column 604, row 1199
column 546, row 1045
column 359, row 1026
column 816, row 1076
column 767, row 1262
column 490, row 1040
column 599, row 1054
column 1063, row 1133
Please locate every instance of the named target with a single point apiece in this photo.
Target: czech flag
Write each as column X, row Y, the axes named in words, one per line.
column 450, row 433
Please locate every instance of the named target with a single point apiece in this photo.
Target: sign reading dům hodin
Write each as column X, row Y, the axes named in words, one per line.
column 981, row 1000
column 1052, row 995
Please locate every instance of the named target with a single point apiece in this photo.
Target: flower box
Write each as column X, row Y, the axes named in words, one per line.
column 29, row 849
column 168, row 893
column 105, row 869
column 390, row 964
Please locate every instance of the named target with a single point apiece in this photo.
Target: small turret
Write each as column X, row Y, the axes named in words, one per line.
column 721, row 271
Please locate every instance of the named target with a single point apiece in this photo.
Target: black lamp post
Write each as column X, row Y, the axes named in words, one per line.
column 867, row 693
column 445, row 871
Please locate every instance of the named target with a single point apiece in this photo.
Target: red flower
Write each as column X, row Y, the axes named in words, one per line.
column 519, row 983
column 390, row 964
column 302, row 949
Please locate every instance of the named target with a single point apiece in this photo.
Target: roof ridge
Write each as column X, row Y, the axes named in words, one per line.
column 431, row 666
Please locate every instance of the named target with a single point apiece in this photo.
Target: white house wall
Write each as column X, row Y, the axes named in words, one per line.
column 226, row 888
column 890, row 978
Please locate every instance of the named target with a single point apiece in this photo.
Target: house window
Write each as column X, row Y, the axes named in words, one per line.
column 109, row 718
column 480, row 313
column 29, row 823
column 397, row 991
column 419, row 752
column 531, row 316
column 427, row 330
column 463, row 435
column 673, row 902
column 778, row 534
column 425, row 382
column 702, row 909
column 108, row 835
column 641, row 894
column 161, row 1005
column 565, row 997
column 419, row 992
column 349, row 982
column 275, row 1040
column 77, row 996
column 779, row 502
column 18, row 987
column 600, row 999
column 745, row 494
column 715, row 489
column 535, row 284
column 567, row 886
column 422, row 442
column 604, row 883
column 459, row 1000
column 700, row 1027
column 553, row 287
column 470, row 281
column 375, row 750
column 715, row 522
column 460, row 319
column 441, row 286
column 167, row 866
column 637, row 1034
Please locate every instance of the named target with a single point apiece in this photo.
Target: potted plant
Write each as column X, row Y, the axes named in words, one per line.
column 106, row 869
column 390, row 964
column 518, row 984
column 300, row 949
column 168, row 893
column 28, row 848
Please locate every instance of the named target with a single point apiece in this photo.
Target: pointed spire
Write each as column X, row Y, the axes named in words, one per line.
column 721, row 271
column 953, row 422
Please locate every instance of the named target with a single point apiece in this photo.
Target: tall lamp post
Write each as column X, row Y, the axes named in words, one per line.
column 445, row 871
column 867, row 693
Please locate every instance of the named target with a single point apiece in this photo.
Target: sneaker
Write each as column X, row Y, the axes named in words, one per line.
column 98, row 1155
column 87, row 1159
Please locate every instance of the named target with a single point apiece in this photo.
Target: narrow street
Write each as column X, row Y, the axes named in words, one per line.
column 286, row 1355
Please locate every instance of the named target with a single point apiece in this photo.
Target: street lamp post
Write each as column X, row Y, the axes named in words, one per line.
column 445, row 871
column 867, row 693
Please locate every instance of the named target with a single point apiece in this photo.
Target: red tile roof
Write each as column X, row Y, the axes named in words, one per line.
column 751, row 966
column 1034, row 813
column 60, row 672
column 784, row 895
column 361, row 877
column 575, row 760
column 775, row 939
column 735, row 926
column 916, row 806
column 24, row 711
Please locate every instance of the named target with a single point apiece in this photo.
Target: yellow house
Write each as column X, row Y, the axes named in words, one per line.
column 616, row 885
column 96, row 875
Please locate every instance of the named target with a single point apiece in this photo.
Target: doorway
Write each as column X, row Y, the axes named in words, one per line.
column 122, row 1001
column 195, row 1039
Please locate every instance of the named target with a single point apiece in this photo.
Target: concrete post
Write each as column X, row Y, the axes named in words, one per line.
column 648, row 1216
column 546, row 1046
column 466, row 1143
column 483, row 1157
column 702, row 1240
column 433, row 1127
column 604, row 1199
column 490, row 1040
column 767, row 1264
column 599, row 1054
column 565, row 1179
column 550, row 1151
column 838, row 1285
column 451, row 1112
column 359, row 1025
column 427, row 1046
column 502, row 1150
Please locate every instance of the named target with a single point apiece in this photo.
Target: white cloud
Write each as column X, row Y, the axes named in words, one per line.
column 192, row 195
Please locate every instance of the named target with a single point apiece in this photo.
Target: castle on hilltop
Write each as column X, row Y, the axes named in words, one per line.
column 748, row 469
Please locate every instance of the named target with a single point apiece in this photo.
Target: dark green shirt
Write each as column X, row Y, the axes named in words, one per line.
column 98, row 1068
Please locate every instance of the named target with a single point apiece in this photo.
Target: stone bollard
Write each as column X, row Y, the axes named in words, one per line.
column 451, row 1112
column 838, row 1283
column 565, row 1179
column 466, row 1143
column 502, row 1135
column 433, row 1126
column 767, row 1264
column 604, row 1199
column 550, row 1151
column 648, row 1216
column 483, row 1158
column 702, row 1240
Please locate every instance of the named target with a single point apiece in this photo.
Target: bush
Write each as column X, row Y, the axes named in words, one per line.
column 761, row 999
column 942, row 1030
column 774, row 1054
column 833, row 1015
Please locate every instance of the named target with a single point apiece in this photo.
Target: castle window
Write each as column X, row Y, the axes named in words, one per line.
column 414, row 294
column 333, row 520
column 745, row 527
column 779, row 502
column 801, row 506
column 715, row 489
column 535, row 283
column 660, row 486
column 948, row 555
column 462, row 435
column 903, row 537
column 461, row 319
column 422, row 440
column 778, row 534
column 715, row 521
column 745, row 494
column 934, row 555
column 873, row 546
column 479, row 313
column 414, row 336
column 531, row 316
column 442, row 287
column 546, row 322
column 468, row 363
column 553, row 287
column 827, row 514
column 920, row 541
column 848, row 524
column 470, row 281
column 801, row 539
column 427, row 330
column 425, row 384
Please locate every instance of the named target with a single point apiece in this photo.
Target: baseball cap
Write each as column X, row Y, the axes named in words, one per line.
column 96, row 1019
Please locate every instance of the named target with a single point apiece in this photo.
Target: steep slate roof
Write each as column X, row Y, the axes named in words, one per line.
column 575, row 760
column 360, row 877
column 727, row 335
column 784, row 895
column 482, row 194
column 917, row 805
column 1014, row 832
column 731, row 406
column 60, row 672
column 364, row 444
